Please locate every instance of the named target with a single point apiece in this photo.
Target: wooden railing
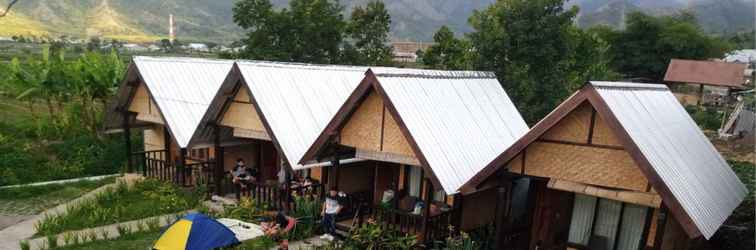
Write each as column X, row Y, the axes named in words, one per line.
column 436, row 227
column 155, row 164
column 398, row 220
column 274, row 196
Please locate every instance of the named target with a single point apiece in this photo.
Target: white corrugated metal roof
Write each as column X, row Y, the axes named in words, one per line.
column 687, row 162
column 460, row 120
column 298, row 100
column 183, row 89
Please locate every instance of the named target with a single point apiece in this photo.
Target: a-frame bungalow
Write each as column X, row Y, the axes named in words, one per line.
column 165, row 98
column 425, row 133
column 268, row 113
column 616, row 166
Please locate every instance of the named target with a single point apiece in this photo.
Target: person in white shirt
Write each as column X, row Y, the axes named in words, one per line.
column 331, row 208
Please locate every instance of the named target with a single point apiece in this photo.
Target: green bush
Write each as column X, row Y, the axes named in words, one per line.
column 371, row 235
column 307, row 213
column 706, row 118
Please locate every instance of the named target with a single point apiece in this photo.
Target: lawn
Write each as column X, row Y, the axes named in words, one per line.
column 138, row 240
column 145, row 240
column 145, row 199
column 29, row 200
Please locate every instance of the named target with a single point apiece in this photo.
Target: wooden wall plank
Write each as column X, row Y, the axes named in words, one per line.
column 589, row 165
column 602, row 134
column 363, row 130
column 574, row 127
column 393, row 139
column 241, row 113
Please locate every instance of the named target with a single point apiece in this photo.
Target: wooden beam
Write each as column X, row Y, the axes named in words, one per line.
column 251, row 134
column 581, row 144
column 386, row 157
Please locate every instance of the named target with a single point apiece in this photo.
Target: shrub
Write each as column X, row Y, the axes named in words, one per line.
column 307, row 213
column 372, row 236
column 52, row 241
column 123, row 230
column 24, row 245
column 706, row 118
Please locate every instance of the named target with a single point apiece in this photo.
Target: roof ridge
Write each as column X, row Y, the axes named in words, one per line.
column 628, row 85
column 312, row 66
column 428, row 73
column 181, row 59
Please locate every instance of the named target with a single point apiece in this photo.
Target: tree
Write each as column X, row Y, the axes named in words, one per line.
column 531, row 45
column 646, row 46
column 368, row 30
column 448, row 52
column 310, row 31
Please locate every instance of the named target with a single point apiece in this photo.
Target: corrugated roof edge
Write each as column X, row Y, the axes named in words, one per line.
column 297, row 65
column 629, row 85
column 426, row 73
column 180, row 59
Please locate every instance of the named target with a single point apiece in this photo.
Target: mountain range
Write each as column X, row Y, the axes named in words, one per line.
column 412, row 20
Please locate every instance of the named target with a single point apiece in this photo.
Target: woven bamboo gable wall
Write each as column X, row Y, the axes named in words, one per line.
column 571, row 151
column 154, row 138
column 372, row 128
column 242, row 116
column 142, row 104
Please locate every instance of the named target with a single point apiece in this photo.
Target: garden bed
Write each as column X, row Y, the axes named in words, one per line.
column 144, row 199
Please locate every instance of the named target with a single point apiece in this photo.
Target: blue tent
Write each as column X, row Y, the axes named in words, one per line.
column 196, row 232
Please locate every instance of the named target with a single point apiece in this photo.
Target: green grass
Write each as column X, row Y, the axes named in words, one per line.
column 28, row 200
column 145, row 240
column 145, row 199
column 138, row 240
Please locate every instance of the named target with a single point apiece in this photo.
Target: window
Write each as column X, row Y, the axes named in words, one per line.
column 606, row 224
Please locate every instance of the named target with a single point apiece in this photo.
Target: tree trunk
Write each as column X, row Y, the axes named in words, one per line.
column 51, row 109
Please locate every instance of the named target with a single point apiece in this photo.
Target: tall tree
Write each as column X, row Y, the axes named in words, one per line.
column 448, row 52
column 368, row 30
column 648, row 43
column 310, row 31
column 531, row 46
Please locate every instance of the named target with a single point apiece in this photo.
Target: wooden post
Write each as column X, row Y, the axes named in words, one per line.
column 333, row 179
column 500, row 221
column 325, row 184
column 428, row 200
column 700, row 95
column 457, row 208
column 287, row 186
column 181, row 167
column 661, row 226
column 219, row 163
column 127, row 139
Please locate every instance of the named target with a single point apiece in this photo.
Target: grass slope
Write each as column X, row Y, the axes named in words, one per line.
column 20, row 24
column 29, row 200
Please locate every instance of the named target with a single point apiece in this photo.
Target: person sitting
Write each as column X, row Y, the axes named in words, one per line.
column 279, row 225
column 242, row 176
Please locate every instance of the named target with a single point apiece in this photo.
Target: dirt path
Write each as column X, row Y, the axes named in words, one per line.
column 7, row 220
